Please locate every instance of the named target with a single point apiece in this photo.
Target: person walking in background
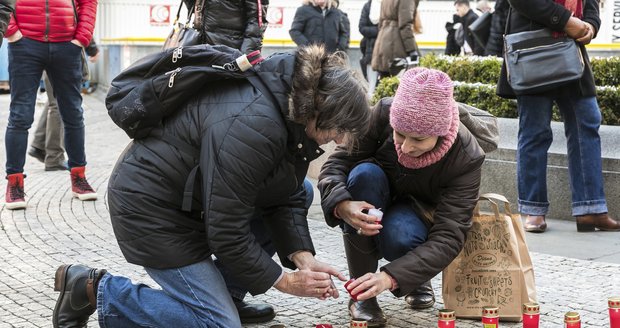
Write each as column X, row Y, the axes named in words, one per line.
column 468, row 16
column 34, row 47
column 581, row 116
column 345, row 25
column 369, row 28
column 48, row 136
column 319, row 22
column 495, row 43
column 422, row 168
column 239, row 24
column 6, row 9
column 453, row 48
column 396, row 37
column 254, row 151
column 482, row 6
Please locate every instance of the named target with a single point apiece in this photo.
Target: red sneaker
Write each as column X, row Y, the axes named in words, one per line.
column 80, row 187
column 15, row 196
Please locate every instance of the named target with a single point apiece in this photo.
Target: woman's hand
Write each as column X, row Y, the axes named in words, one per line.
column 304, row 260
column 15, row 37
column 589, row 35
column 370, row 285
column 352, row 212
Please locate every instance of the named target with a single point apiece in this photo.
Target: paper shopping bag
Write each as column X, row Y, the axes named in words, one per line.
column 494, row 268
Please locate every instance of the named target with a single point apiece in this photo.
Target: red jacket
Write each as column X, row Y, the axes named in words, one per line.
column 54, row 20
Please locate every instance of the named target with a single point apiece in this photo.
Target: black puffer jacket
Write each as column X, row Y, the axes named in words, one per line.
column 495, row 44
column 6, row 8
column 369, row 31
column 529, row 15
column 239, row 24
column 251, row 159
column 444, row 194
column 309, row 26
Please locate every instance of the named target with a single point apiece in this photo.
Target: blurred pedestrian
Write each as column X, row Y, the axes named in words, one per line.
column 319, row 22
column 7, row 7
column 468, row 16
column 369, row 28
column 53, row 45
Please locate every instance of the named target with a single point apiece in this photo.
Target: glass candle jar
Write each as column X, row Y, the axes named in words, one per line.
column 531, row 315
column 572, row 320
column 614, row 312
column 323, row 325
column 376, row 213
column 490, row 317
column 446, row 319
column 346, row 286
column 359, row 324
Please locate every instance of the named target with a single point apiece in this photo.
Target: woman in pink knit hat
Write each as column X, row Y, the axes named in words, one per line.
column 421, row 167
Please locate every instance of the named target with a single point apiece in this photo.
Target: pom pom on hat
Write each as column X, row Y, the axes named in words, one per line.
column 423, row 103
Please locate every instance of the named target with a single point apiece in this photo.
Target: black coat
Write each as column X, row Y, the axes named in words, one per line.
column 528, row 15
column 467, row 20
column 251, row 159
column 445, row 193
column 309, row 26
column 369, row 31
column 234, row 23
column 495, row 44
column 452, row 47
column 6, row 8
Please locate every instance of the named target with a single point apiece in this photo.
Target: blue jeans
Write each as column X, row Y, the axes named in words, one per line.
column 262, row 236
column 62, row 62
column 191, row 296
column 582, row 119
column 403, row 230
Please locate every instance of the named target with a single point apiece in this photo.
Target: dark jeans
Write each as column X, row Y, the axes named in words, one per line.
column 62, row 62
column 263, row 238
column 403, row 230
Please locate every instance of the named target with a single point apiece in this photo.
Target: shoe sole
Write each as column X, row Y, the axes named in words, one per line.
column 258, row 319
column 59, row 286
column 422, row 306
column 84, row 197
column 15, row 205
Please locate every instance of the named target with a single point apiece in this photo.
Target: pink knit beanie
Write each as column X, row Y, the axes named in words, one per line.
column 424, row 105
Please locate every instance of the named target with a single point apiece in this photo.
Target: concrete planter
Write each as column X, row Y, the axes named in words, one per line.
column 499, row 170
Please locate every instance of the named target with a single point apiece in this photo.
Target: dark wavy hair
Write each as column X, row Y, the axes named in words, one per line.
column 325, row 87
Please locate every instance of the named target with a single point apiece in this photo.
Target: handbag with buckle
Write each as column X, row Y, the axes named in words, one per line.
column 541, row 60
column 183, row 34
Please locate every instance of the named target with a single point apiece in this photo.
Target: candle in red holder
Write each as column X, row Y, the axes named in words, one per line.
column 572, row 320
column 376, row 213
column 446, row 319
column 490, row 317
column 531, row 315
column 323, row 325
column 614, row 312
column 358, row 324
column 346, row 286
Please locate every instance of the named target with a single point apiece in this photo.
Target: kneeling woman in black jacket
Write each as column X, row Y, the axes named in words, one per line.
column 253, row 156
column 422, row 168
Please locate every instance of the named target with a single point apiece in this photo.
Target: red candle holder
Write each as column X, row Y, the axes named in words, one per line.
column 359, row 324
column 446, row 319
column 346, row 286
column 614, row 312
column 531, row 315
column 376, row 213
column 490, row 317
column 323, row 325
column 572, row 320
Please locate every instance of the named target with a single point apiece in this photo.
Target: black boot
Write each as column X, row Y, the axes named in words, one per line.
column 422, row 297
column 77, row 285
column 254, row 313
column 363, row 257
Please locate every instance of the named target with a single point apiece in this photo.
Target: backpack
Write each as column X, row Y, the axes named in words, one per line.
column 157, row 85
column 481, row 124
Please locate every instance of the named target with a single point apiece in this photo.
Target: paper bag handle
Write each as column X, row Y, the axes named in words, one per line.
column 497, row 198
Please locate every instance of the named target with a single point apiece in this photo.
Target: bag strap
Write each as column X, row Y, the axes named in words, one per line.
column 198, row 9
column 497, row 198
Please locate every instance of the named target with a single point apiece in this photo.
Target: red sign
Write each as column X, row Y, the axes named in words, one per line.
column 160, row 15
column 275, row 16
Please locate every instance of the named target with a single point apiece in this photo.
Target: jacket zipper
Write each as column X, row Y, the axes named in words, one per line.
column 47, row 20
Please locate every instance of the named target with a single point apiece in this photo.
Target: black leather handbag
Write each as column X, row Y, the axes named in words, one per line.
column 183, row 34
column 481, row 28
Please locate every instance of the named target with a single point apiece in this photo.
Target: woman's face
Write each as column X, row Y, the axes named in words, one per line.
column 323, row 137
column 413, row 144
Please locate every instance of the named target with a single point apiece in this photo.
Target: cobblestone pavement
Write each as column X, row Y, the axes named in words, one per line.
column 57, row 229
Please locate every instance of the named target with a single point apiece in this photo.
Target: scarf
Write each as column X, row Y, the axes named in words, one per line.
column 436, row 154
column 575, row 6
column 375, row 11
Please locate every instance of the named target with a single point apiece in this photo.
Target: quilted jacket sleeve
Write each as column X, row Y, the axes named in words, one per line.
column 237, row 154
column 6, row 8
column 87, row 14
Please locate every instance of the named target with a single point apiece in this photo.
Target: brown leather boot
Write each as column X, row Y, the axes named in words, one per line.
column 363, row 257
column 590, row 222
column 77, row 285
